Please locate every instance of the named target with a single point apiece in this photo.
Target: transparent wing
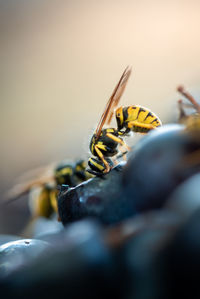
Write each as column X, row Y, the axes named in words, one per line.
column 22, row 188
column 113, row 101
column 32, row 174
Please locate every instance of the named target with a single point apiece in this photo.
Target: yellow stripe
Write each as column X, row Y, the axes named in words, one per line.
column 109, row 130
column 92, row 148
column 101, row 146
column 78, row 168
column 132, row 113
column 83, row 164
column 149, row 119
column 142, row 115
column 99, row 166
column 64, row 171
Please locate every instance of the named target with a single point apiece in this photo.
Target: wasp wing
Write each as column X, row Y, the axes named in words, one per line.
column 35, row 173
column 119, row 92
column 113, row 101
column 20, row 189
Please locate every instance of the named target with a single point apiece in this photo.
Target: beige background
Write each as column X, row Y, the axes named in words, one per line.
column 60, row 61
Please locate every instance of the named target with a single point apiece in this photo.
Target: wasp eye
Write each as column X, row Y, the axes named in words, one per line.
column 118, row 114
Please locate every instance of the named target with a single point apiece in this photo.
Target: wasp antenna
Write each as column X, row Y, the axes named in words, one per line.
column 181, row 110
column 180, row 88
column 188, row 96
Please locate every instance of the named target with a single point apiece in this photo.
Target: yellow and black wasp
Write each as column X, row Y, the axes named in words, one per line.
column 104, row 142
column 43, row 190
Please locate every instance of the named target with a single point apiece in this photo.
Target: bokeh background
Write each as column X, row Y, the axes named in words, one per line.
column 60, row 61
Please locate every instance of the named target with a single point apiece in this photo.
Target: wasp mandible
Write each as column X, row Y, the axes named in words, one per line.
column 135, row 118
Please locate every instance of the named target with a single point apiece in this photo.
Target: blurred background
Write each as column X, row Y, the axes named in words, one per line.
column 60, row 61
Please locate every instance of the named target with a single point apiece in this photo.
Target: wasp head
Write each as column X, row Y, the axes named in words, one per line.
column 120, row 118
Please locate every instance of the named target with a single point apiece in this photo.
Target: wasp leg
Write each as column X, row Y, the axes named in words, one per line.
column 123, row 154
column 115, row 161
column 140, row 125
column 95, row 172
column 101, row 156
column 124, row 133
column 117, row 139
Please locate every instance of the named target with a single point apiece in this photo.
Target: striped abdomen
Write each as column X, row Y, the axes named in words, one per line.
column 137, row 118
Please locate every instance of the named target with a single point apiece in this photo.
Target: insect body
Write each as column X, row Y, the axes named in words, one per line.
column 103, row 147
column 71, row 173
column 97, row 166
column 43, row 192
column 42, row 201
column 104, row 142
column 65, row 173
column 107, row 142
column 136, row 118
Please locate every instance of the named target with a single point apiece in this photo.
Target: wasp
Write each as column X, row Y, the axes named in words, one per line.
column 43, row 191
column 104, row 142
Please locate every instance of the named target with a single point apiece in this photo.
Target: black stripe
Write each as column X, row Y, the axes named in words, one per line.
column 125, row 113
column 154, row 120
column 140, row 110
column 149, row 114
